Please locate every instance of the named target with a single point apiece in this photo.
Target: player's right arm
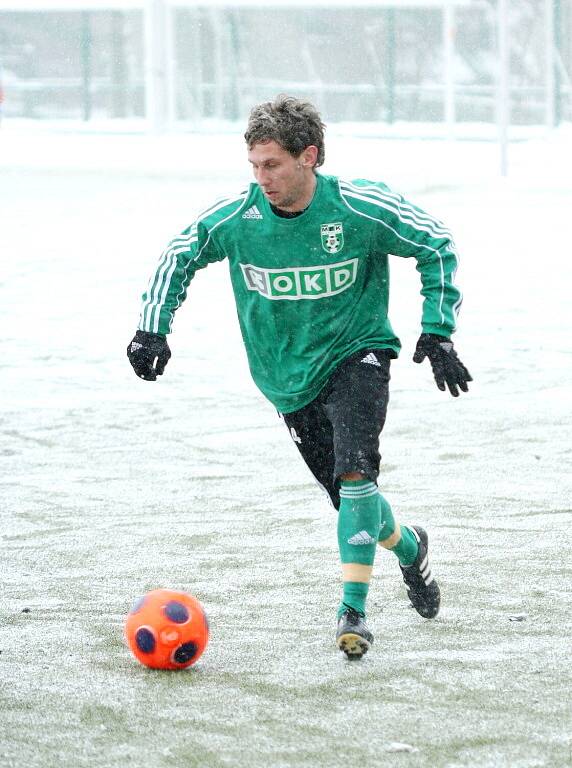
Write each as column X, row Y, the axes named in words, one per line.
column 188, row 252
column 193, row 249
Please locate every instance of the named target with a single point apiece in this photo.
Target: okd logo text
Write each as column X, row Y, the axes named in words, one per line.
column 297, row 283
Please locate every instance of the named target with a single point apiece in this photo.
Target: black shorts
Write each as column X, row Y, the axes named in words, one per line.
column 338, row 432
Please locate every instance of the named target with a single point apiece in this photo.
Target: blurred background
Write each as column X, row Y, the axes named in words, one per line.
column 179, row 63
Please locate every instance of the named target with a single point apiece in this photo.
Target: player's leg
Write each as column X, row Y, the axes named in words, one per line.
column 357, row 406
column 400, row 539
column 312, row 434
column 358, row 522
column 356, row 403
column 355, row 495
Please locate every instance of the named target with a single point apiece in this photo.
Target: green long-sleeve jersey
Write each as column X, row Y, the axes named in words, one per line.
column 313, row 289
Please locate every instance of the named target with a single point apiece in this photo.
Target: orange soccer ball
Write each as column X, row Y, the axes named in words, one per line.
column 166, row 629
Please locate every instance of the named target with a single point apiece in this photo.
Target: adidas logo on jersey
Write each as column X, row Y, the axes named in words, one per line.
column 252, row 213
column 361, row 538
column 371, row 359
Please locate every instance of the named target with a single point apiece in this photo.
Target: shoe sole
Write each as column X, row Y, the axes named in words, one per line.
column 354, row 646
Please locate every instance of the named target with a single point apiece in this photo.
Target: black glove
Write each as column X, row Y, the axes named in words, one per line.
column 447, row 368
column 148, row 353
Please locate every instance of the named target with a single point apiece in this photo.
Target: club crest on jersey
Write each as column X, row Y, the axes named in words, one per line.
column 332, row 237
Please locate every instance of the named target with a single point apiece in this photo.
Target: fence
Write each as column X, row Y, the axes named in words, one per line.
column 386, row 62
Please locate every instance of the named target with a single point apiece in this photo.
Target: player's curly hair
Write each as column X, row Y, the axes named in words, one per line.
column 292, row 123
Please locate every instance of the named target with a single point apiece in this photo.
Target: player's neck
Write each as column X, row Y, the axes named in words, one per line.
column 305, row 198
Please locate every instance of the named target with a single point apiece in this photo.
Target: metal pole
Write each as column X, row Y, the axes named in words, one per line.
column 197, row 73
column 234, row 107
column 118, row 65
column 156, row 85
column 170, row 65
column 390, row 64
column 549, row 61
column 217, row 22
column 449, row 49
column 557, row 28
column 503, row 88
column 86, row 68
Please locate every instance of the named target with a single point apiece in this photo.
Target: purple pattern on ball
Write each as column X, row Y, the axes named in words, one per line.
column 177, row 612
column 185, row 653
column 145, row 640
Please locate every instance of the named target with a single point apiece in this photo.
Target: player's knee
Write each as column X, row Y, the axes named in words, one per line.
column 352, row 476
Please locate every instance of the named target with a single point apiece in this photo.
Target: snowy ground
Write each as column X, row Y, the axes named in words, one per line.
column 111, row 486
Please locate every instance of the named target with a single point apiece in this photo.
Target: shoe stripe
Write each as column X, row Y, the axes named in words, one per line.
column 414, row 532
column 424, row 563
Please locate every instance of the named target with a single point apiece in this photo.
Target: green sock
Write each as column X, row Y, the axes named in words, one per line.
column 387, row 521
column 355, row 595
column 407, row 547
column 358, row 529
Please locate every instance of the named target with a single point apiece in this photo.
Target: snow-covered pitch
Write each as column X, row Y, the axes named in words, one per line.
column 111, row 486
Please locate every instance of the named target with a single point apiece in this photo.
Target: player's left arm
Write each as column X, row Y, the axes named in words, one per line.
column 408, row 231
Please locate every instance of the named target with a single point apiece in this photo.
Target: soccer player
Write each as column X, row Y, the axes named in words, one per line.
column 308, row 260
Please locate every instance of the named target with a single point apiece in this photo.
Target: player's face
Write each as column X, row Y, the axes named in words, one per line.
column 287, row 182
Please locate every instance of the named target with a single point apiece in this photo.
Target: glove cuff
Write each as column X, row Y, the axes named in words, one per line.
column 144, row 337
column 436, row 337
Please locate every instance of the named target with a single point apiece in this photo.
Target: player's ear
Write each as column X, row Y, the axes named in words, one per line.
column 309, row 156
